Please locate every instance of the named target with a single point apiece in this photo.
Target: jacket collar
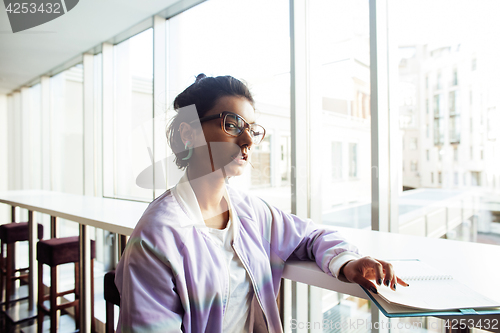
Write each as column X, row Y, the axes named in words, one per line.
column 185, row 196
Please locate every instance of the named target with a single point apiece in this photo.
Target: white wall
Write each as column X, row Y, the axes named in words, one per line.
column 4, row 209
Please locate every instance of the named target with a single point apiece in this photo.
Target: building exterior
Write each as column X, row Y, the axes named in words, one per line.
column 448, row 112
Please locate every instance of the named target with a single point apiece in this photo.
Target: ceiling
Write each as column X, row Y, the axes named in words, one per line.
column 25, row 55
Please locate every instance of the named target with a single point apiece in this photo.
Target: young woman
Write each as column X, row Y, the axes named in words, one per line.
column 206, row 257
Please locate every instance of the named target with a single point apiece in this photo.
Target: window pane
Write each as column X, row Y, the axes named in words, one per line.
column 66, row 146
column 232, row 42
column 339, row 68
column 129, row 136
column 461, row 67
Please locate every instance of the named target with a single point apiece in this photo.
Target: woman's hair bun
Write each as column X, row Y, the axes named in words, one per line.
column 200, row 77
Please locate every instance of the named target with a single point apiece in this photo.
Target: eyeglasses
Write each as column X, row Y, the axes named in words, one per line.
column 234, row 125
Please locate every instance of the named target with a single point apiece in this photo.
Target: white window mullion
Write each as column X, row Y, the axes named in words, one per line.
column 26, row 138
column 379, row 115
column 380, row 131
column 45, row 126
column 107, row 120
column 88, row 124
column 300, row 142
column 159, row 104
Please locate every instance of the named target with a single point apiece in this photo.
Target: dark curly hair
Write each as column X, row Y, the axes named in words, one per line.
column 204, row 94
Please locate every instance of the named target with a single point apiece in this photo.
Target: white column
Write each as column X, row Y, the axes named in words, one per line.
column 395, row 143
column 46, row 126
column 159, row 104
column 15, row 136
column 379, row 116
column 4, row 156
column 107, row 119
column 88, row 125
column 380, row 130
column 25, row 137
column 300, row 142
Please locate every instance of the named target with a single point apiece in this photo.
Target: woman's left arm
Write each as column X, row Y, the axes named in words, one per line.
column 293, row 237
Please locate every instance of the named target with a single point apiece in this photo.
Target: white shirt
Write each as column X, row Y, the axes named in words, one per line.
column 240, row 294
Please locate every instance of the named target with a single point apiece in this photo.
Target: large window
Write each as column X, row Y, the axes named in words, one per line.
column 127, row 127
column 66, row 138
column 459, row 62
column 222, row 37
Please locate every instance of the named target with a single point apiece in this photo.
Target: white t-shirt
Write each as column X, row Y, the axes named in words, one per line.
column 239, row 298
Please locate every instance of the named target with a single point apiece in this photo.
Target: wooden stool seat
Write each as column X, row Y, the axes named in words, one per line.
column 54, row 252
column 17, row 232
column 11, row 233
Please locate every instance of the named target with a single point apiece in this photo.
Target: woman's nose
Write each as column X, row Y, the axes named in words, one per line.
column 246, row 138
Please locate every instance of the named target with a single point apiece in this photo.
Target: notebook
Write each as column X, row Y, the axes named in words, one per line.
column 430, row 291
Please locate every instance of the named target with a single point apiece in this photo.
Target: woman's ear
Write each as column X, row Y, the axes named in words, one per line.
column 187, row 133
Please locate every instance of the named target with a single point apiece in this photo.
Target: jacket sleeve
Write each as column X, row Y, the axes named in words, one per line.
column 296, row 238
column 149, row 301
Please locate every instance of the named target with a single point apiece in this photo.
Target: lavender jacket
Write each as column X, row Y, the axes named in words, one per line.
column 172, row 277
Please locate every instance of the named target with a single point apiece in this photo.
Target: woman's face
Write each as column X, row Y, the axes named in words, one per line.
column 223, row 151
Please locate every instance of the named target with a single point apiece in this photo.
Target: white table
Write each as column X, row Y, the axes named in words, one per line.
column 476, row 265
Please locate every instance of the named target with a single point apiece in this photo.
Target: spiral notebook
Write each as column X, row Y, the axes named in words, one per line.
column 429, row 291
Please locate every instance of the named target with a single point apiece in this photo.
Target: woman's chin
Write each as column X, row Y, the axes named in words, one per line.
column 234, row 169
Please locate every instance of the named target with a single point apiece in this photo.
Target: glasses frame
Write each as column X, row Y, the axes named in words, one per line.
column 223, row 116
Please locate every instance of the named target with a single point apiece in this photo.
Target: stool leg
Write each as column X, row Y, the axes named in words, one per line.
column 77, row 295
column 2, row 267
column 40, row 314
column 53, row 299
column 92, row 319
column 9, row 282
column 110, row 317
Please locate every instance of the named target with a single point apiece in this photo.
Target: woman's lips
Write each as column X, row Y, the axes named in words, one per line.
column 241, row 159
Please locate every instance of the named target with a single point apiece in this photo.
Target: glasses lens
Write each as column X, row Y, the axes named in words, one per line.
column 257, row 132
column 233, row 124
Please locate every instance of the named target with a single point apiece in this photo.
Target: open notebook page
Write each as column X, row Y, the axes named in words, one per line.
column 430, row 289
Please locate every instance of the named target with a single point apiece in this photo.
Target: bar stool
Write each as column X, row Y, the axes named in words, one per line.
column 54, row 252
column 11, row 233
column 112, row 298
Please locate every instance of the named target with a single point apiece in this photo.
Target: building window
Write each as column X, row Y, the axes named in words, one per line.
column 482, row 154
column 438, row 120
column 413, row 165
column 471, row 153
column 439, row 84
column 454, row 111
column 440, row 177
column 285, row 160
column 413, row 143
column 353, row 160
column 475, row 178
column 261, row 161
column 427, row 154
column 432, row 177
column 336, row 160
column 455, row 154
column 455, row 178
column 465, row 178
column 454, row 80
column 474, row 64
column 427, row 106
